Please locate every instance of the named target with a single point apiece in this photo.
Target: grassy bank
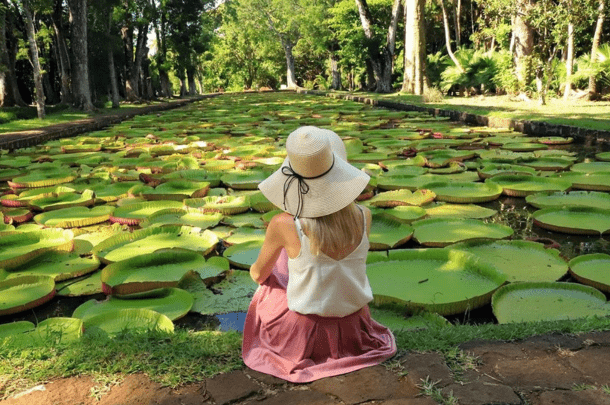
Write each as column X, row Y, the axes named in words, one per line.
column 14, row 119
column 579, row 113
column 187, row 356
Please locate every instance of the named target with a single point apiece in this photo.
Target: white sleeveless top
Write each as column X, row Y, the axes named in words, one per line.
column 324, row 286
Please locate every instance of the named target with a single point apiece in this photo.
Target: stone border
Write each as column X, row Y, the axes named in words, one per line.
column 25, row 139
column 534, row 128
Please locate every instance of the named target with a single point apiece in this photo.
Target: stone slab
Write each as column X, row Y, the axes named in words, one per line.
column 265, row 378
column 422, row 365
column 479, row 393
column 227, row 388
column 299, row 397
column 411, row 401
column 537, row 374
column 597, row 338
column 586, row 397
column 594, row 363
column 551, row 342
column 368, row 384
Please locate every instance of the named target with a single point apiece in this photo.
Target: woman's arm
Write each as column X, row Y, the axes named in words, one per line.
column 271, row 249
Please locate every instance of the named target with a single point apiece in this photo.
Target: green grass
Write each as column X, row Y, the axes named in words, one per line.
column 170, row 359
column 187, row 356
column 579, row 113
column 24, row 118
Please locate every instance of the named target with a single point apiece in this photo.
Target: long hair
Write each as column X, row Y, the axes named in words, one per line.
column 334, row 231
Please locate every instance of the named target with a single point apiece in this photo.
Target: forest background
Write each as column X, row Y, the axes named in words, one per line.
column 90, row 54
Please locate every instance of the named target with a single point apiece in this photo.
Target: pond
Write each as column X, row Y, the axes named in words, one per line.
column 231, row 143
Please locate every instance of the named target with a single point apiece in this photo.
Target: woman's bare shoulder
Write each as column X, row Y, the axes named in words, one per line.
column 282, row 221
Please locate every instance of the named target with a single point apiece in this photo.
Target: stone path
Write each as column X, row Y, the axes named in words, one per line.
column 542, row 370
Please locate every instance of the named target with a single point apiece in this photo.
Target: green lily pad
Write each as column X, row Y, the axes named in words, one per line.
column 171, row 302
column 591, row 167
column 520, row 260
column 226, row 205
column 492, row 170
column 464, row 192
column 523, row 146
column 592, row 269
column 89, row 284
column 176, row 190
column 113, row 323
column 57, row 265
column 125, row 246
column 577, row 220
column 418, row 279
column 597, row 181
column 236, row 292
column 396, row 198
column 252, row 220
column 398, row 322
column 109, row 192
column 445, row 210
column 546, row 301
column 260, row 203
column 22, row 293
column 243, row 255
column 521, row 186
column 17, row 248
column 133, row 214
column 74, row 217
column 182, row 217
column 43, row 178
column 15, row 329
column 63, row 200
column 569, row 199
column 246, row 180
column 603, row 156
column 155, row 270
column 388, row 233
column 440, row 232
column 405, row 214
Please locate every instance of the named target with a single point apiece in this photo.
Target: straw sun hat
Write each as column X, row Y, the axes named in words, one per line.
column 314, row 180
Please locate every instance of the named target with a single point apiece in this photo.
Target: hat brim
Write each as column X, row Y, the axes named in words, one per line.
column 327, row 194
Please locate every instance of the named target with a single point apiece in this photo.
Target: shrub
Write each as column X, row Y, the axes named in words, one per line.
column 432, row 95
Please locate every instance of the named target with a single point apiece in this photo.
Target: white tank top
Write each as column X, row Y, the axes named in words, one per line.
column 327, row 287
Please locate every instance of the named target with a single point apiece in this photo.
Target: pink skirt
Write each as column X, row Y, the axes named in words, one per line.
column 303, row 348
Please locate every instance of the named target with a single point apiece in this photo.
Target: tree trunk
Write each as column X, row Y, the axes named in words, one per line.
column 596, row 39
column 458, row 23
column 381, row 62
column 190, row 74
column 415, row 47
column 127, row 36
column 524, row 43
column 182, row 77
column 540, row 86
column 291, row 81
column 139, row 56
column 569, row 61
column 114, row 85
column 335, row 74
column 448, row 37
column 9, row 92
column 29, row 23
column 80, row 84
column 65, row 93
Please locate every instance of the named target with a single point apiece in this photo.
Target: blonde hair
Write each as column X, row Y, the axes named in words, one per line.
column 334, row 231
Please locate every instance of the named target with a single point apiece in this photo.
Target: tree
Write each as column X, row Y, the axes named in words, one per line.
column 415, row 47
column 448, row 37
column 34, row 59
column 569, row 51
column 62, row 50
column 523, row 37
column 80, row 82
column 595, row 45
column 9, row 92
column 381, row 54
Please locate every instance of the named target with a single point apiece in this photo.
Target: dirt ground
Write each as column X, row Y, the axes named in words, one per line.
column 542, row 370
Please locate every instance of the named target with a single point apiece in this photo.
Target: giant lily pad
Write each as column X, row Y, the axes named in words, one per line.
column 544, row 301
column 153, row 270
column 500, row 169
column 591, row 167
column 521, row 186
column 445, row 210
column 113, row 191
column 63, row 200
column 418, row 279
column 569, row 199
column 42, row 178
column 578, row 220
column 592, row 269
column 125, row 246
column 548, row 163
column 75, row 216
column 440, row 232
column 598, row 181
column 182, row 217
column 22, row 293
column 171, row 302
column 133, row 214
column 396, row 198
column 58, row 265
column 227, row 205
column 388, row 233
column 246, row 180
column 520, row 260
column 17, row 247
column 405, row 214
column 464, row 192
column 243, row 255
column 398, row 322
column 236, row 292
column 113, row 323
column 176, row 190
column 89, row 284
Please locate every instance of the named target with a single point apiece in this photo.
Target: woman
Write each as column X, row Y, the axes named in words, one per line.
column 309, row 319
